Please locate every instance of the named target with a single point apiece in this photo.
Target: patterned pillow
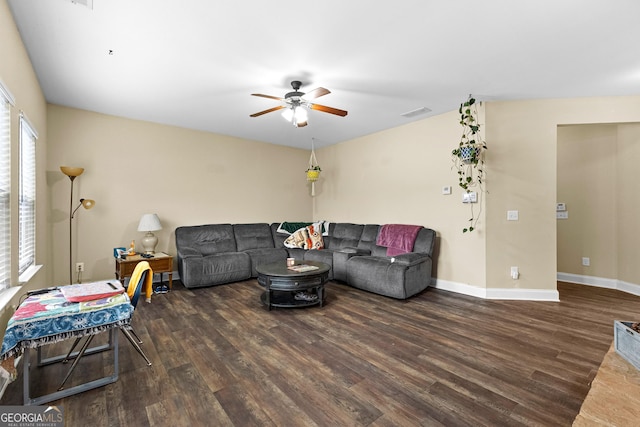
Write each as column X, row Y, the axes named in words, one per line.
column 309, row 237
column 315, row 236
column 297, row 239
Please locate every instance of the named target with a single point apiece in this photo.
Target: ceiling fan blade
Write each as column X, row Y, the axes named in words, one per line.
column 267, row 96
column 316, row 93
column 279, row 107
column 329, row 110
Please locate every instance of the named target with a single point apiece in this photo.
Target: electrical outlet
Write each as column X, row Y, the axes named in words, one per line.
column 79, row 267
column 586, row 261
column 515, row 274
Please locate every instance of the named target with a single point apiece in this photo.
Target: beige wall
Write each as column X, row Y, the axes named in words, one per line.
column 396, row 176
column 18, row 76
column 597, row 178
column 186, row 177
column 522, row 138
column 628, row 203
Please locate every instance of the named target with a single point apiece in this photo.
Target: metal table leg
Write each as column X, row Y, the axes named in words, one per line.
column 60, row 394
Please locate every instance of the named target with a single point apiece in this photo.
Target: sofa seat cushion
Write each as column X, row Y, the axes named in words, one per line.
column 322, row 255
column 296, row 253
column 218, row 269
column 265, row 256
column 384, row 276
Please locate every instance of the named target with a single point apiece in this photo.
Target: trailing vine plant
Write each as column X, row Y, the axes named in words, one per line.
column 468, row 158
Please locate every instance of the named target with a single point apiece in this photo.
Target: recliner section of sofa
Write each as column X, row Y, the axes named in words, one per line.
column 215, row 254
column 208, row 255
column 406, row 272
column 256, row 241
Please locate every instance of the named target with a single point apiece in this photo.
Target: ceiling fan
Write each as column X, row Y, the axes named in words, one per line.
column 297, row 103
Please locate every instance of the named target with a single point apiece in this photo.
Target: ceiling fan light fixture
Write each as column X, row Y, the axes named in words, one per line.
column 300, row 114
column 297, row 104
column 288, row 114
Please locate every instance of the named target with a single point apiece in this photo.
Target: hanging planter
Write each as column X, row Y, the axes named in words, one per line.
column 313, row 174
column 313, row 171
column 468, row 154
column 468, row 158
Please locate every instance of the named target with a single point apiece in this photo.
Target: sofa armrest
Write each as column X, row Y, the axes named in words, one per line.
column 410, row 259
column 354, row 251
column 189, row 253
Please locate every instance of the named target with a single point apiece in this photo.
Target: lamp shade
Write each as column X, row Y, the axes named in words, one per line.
column 87, row 203
column 71, row 172
column 149, row 222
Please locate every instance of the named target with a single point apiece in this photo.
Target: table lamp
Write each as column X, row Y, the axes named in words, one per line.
column 149, row 223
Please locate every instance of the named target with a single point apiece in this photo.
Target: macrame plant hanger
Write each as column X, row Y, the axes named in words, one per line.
column 313, row 173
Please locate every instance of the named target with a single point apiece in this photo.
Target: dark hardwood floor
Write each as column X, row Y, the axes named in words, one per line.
column 440, row 358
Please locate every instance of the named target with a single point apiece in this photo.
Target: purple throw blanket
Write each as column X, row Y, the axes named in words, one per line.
column 398, row 238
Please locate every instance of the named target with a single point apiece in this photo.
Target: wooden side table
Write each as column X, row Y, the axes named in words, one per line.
column 160, row 263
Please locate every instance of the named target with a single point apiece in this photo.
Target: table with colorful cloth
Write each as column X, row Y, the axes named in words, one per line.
column 50, row 317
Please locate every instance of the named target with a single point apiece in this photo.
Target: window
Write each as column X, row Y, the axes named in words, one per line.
column 6, row 100
column 27, row 197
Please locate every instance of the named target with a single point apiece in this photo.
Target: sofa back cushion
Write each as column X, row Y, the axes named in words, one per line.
column 278, row 238
column 425, row 241
column 252, row 236
column 207, row 239
column 369, row 236
column 345, row 235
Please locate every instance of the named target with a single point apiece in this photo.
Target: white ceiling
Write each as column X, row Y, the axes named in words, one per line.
column 195, row 63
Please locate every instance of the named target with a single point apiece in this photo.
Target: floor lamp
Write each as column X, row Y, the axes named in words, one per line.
column 73, row 173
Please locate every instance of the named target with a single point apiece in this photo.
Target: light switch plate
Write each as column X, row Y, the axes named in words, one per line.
column 470, row 197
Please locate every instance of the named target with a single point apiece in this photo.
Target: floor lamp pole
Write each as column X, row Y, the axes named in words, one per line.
column 72, row 173
column 71, row 232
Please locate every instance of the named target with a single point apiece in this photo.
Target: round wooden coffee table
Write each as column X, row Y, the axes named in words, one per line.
column 301, row 285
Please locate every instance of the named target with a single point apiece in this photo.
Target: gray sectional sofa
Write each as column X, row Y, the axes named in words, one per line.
column 215, row 254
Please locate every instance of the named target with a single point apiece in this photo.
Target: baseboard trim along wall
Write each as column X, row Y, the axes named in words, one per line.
column 600, row 282
column 497, row 293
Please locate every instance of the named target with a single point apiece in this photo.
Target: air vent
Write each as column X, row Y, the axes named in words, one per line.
column 85, row 3
column 416, row 112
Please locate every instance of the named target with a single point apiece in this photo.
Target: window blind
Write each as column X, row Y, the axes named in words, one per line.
column 27, row 196
column 5, row 187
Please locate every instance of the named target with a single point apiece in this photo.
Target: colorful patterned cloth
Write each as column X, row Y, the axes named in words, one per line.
column 49, row 317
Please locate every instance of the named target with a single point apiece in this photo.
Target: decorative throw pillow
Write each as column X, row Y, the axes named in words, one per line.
column 314, row 232
column 297, row 239
column 309, row 237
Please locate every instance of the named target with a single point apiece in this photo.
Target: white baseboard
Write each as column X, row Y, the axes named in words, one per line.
column 497, row 293
column 600, row 282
